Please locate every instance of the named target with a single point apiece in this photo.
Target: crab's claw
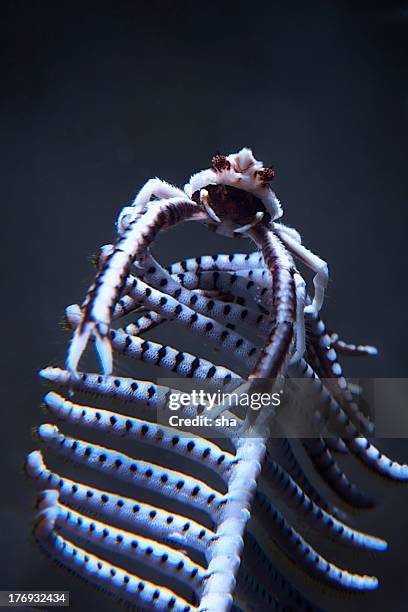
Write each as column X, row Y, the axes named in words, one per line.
column 84, row 332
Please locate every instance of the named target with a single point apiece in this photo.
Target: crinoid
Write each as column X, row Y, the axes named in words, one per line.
column 207, row 514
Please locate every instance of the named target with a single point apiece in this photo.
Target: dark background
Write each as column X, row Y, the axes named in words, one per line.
column 97, row 97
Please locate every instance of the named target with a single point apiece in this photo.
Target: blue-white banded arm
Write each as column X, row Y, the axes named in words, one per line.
column 165, row 357
column 135, row 515
column 146, row 395
column 168, row 482
column 276, row 481
column 259, row 283
column 219, row 262
column 160, row 557
column 142, row 393
column 245, row 285
column 115, row 580
column 280, row 450
column 332, row 414
column 191, row 447
column 233, row 314
column 267, row 576
column 256, row 284
column 144, row 323
column 172, row 309
column 220, row 285
column 330, row 371
column 246, row 276
column 334, row 476
column 302, row 553
column 271, row 359
column 249, row 594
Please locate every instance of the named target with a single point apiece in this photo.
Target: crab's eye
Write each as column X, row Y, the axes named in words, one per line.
column 266, row 175
column 220, row 163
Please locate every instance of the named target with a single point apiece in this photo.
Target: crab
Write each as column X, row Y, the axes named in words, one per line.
column 234, row 198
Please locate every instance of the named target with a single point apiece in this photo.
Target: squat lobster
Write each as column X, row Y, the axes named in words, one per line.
column 233, row 197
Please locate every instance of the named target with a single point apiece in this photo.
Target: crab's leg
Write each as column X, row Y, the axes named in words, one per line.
column 165, row 357
column 277, row 347
column 289, row 231
column 109, row 282
column 153, row 187
column 318, row 265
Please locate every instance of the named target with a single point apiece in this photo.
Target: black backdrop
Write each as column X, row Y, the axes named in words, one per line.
column 98, row 96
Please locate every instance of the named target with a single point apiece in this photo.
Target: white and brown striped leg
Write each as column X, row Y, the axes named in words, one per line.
column 154, row 187
column 277, row 347
column 318, row 265
column 165, row 357
column 111, row 278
